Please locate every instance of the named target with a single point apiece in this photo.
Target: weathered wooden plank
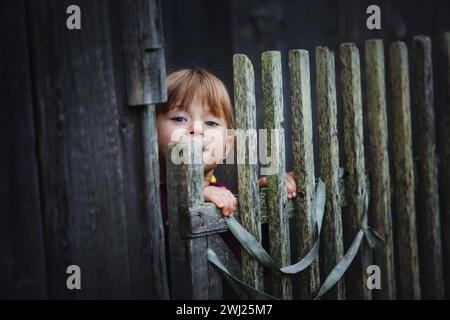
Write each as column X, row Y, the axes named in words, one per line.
column 79, row 150
column 380, row 197
column 206, row 219
column 355, row 179
column 276, row 194
column 23, row 260
column 443, row 147
column 216, row 243
column 247, row 162
column 152, row 223
column 302, row 145
column 188, row 257
column 140, row 165
column 427, row 197
column 403, row 185
column 332, row 247
column 143, row 52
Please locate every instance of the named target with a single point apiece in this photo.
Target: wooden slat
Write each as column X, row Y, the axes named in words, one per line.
column 404, row 209
column 302, row 147
column 380, row 199
column 355, row 180
column 429, row 231
column 79, row 150
column 152, row 220
column 189, row 274
column 144, row 74
column 216, row 243
column 331, row 239
column 443, row 147
column 142, row 36
column 276, row 194
column 247, row 148
column 206, row 219
column 22, row 266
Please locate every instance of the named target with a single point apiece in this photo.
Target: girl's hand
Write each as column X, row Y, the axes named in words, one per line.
column 290, row 184
column 222, row 198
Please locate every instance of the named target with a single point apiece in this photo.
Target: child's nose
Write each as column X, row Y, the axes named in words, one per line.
column 196, row 128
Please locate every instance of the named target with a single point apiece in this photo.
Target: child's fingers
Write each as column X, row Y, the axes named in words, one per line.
column 262, row 182
column 216, row 199
column 227, row 208
column 222, row 198
column 232, row 202
column 222, row 195
column 290, row 186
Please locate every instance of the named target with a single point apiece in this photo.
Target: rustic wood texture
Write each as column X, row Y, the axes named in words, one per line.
column 380, row 197
column 332, row 249
column 143, row 51
column 152, row 223
column 144, row 71
column 276, row 194
column 443, row 147
column 216, row 243
column 87, row 160
column 247, row 150
column 80, row 159
column 404, row 210
column 23, row 261
column 427, row 197
column 188, row 257
column 355, row 179
column 207, row 219
column 302, row 146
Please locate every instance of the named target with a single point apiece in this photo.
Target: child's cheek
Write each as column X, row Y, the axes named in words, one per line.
column 215, row 145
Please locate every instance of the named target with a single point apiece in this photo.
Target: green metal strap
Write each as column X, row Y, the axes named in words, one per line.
column 251, row 292
column 255, row 249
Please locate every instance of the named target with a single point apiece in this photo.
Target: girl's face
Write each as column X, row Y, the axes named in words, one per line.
column 197, row 122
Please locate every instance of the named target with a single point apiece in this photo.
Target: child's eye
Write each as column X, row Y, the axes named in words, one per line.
column 179, row 119
column 211, row 123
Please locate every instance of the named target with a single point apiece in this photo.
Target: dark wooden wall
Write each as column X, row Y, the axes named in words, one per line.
column 71, row 171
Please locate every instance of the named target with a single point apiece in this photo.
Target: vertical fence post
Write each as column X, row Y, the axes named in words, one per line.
column 152, row 202
column 380, row 202
column 427, row 192
column 355, row 181
column 406, row 252
column 443, row 147
column 188, row 257
column 276, row 193
column 247, row 150
column 332, row 243
column 302, row 146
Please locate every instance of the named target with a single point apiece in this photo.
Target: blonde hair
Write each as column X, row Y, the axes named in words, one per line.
column 183, row 86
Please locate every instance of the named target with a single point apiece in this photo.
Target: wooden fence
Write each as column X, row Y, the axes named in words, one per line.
column 404, row 174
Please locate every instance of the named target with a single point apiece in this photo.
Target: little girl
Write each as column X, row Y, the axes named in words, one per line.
column 198, row 106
